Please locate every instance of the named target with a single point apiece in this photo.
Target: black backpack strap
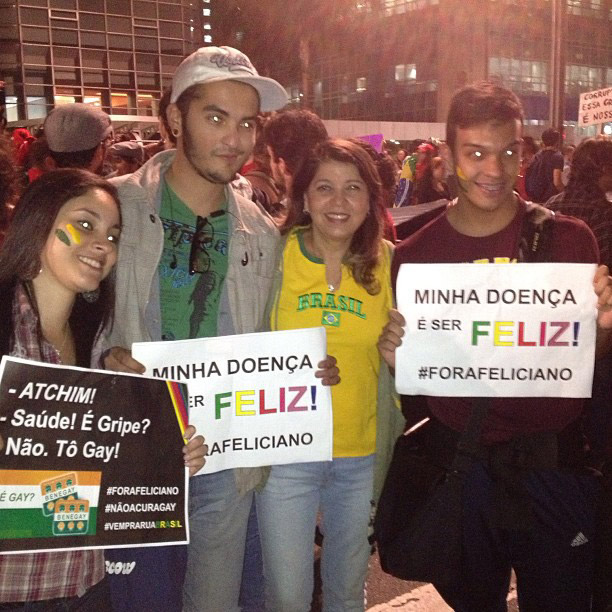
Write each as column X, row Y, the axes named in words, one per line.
column 536, row 234
column 468, row 446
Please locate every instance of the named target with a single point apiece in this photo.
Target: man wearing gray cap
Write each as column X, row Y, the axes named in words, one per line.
column 126, row 157
column 77, row 135
column 196, row 260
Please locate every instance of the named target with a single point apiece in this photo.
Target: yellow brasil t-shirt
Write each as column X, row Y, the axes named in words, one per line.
column 353, row 320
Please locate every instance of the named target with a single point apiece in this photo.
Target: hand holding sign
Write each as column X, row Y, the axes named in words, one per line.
column 119, row 359
column 391, row 337
column 194, row 451
column 603, row 290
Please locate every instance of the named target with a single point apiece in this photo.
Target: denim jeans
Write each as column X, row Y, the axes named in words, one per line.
column 287, row 513
column 252, row 588
column 218, row 517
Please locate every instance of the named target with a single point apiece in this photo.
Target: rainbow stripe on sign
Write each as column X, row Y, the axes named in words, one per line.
column 26, row 495
column 179, row 401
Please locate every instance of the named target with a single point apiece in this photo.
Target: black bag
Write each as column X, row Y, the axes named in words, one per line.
column 418, row 522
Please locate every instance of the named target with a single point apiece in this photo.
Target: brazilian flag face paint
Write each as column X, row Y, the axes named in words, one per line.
column 61, row 235
column 72, row 233
column 76, row 236
column 462, row 178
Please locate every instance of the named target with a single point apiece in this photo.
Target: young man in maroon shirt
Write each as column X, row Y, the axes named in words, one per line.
column 517, row 514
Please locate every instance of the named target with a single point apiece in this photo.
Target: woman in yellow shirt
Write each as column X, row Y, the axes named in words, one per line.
column 334, row 272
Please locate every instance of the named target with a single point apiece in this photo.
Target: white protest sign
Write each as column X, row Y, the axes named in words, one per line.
column 496, row 330
column 595, row 107
column 254, row 397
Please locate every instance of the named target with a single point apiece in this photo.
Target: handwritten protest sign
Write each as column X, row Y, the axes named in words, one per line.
column 496, row 330
column 91, row 459
column 253, row 396
column 595, row 107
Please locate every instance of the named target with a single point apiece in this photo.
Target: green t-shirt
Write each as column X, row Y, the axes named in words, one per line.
column 190, row 302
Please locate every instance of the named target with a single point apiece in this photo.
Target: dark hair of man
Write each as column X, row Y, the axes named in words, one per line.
column 74, row 159
column 184, row 102
column 530, row 145
column 551, row 137
column 590, row 161
column 291, row 134
column 32, row 222
column 480, row 103
column 364, row 251
column 164, row 102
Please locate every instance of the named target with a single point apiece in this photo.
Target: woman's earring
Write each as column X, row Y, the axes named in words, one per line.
column 91, row 297
column 175, row 132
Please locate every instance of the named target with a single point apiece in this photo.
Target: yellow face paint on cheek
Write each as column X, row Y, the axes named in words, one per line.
column 462, row 179
column 76, row 236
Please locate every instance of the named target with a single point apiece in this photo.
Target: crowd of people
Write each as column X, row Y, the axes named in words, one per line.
column 246, row 217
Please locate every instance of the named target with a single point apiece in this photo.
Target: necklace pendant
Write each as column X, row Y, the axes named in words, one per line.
column 331, row 287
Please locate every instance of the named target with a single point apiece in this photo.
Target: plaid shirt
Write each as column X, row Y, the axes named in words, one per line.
column 39, row 576
column 594, row 210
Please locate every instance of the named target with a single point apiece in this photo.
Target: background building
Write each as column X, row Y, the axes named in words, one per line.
column 116, row 54
column 383, row 60
column 401, row 60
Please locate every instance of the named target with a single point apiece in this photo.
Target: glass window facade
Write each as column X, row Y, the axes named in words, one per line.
column 117, row 54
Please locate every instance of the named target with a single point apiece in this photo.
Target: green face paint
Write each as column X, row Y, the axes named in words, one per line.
column 61, row 234
column 76, row 236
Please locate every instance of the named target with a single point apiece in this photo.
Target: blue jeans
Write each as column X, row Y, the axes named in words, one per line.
column 287, row 514
column 252, row 589
column 218, row 517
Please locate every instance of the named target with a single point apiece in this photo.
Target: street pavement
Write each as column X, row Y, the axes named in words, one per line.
column 387, row 594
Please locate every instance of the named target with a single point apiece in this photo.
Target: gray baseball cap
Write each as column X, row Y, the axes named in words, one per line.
column 212, row 64
column 76, row 127
column 129, row 149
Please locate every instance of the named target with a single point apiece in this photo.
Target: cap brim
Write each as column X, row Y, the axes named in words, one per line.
column 272, row 95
